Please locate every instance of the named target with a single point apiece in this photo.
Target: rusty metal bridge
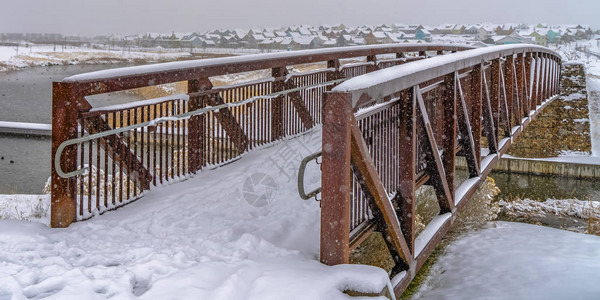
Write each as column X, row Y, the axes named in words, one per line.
column 394, row 118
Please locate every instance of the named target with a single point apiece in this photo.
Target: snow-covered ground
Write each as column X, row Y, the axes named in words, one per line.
column 236, row 232
column 12, row 57
column 517, row 261
column 573, row 52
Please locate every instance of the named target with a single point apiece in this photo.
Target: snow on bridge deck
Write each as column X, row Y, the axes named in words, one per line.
column 210, row 237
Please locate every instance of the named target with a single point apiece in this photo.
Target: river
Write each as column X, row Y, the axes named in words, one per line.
column 26, row 96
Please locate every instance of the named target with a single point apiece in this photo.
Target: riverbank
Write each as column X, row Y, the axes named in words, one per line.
column 13, row 58
column 516, row 261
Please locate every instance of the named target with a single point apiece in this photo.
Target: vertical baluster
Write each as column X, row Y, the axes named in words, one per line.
column 148, row 142
column 112, row 156
column 172, row 140
column 90, row 172
column 136, row 167
column 105, row 169
column 179, row 143
column 98, row 177
column 81, row 166
column 154, row 144
column 160, row 129
column 128, row 154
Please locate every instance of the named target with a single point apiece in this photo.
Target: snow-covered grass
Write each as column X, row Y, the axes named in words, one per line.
column 44, row 55
column 572, row 214
column 34, row 208
column 236, row 232
column 517, row 261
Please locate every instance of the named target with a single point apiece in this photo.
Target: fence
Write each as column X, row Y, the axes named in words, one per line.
column 105, row 157
column 390, row 132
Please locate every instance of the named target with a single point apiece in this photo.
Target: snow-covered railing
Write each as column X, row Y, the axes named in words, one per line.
column 389, row 132
column 121, row 151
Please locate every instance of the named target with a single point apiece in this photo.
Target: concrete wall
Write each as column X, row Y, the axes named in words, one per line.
column 543, row 167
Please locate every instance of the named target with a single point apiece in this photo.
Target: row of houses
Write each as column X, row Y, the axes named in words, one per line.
column 308, row 37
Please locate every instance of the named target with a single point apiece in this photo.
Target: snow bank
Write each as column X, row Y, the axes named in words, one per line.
column 236, row 232
column 517, row 261
column 47, row 55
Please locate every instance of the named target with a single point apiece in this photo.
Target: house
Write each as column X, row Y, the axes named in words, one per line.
column 423, row 34
column 504, row 30
column 553, row 35
column 458, row 29
column 471, row 29
column 375, row 37
column 305, row 42
column 513, row 38
column 343, row 40
column 391, row 38
column 484, row 32
column 540, row 38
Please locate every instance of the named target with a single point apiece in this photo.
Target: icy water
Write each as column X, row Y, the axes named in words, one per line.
column 544, row 187
column 26, row 96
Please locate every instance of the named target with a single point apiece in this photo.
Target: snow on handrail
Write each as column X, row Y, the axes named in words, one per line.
column 385, row 82
column 272, row 58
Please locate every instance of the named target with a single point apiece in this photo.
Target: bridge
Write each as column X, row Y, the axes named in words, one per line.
column 393, row 117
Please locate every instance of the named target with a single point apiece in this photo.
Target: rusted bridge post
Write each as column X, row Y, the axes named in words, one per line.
column 335, row 202
column 407, row 176
column 197, row 124
column 64, row 127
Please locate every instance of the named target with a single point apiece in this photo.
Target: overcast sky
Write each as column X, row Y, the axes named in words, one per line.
column 90, row 17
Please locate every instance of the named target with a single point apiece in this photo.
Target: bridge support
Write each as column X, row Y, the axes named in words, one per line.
column 65, row 106
column 376, row 156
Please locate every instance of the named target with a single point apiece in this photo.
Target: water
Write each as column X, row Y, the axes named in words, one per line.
column 26, row 96
column 544, row 187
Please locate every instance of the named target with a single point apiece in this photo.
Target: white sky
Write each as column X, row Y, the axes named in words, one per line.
column 139, row 16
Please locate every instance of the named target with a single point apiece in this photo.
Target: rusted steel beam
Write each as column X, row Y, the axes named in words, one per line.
column 335, row 179
column 520, row 86
column 528, row 77
column 549, row 76
column 231, row 126
column 495, row 80
column 65, row 103
column 509, row 87
column 476, row 95
column 543, row 74
column 372, row 67
column 449, row 134
column 489, row 124
column 504, row 105
column 535, row 88
column 434, row 161
column 363, row 162
column 407, row 142
column 298, row 103
column 466, row 132
column 121, row 151
column 516, row 112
